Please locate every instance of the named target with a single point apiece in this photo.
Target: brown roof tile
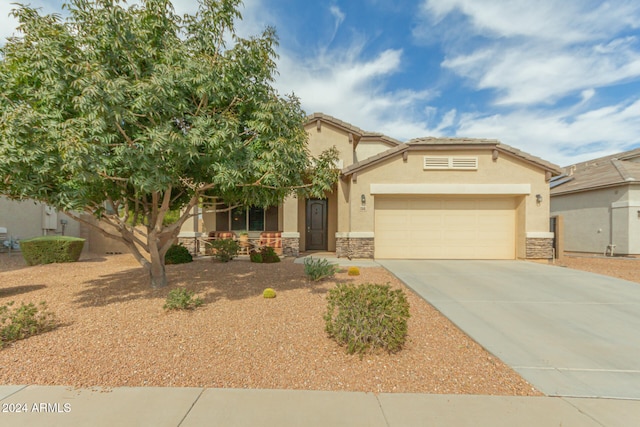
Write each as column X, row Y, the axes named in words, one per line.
column 608, row 171
column 351, row 128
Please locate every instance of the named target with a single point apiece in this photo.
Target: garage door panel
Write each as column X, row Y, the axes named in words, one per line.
column 445, row 228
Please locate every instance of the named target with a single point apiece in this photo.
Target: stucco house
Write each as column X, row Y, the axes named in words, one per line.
column 429, row 198
column 599, row 203
column 27, row 218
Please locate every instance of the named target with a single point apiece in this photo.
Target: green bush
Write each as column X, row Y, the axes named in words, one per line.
column 269, row 293
column 177, row 254
column 266, row 255
column 24, row 321
column 181, row 299
column 225, row 249
column 50, row 249
column 255, row 257
column 317, row 269
column 367, row 317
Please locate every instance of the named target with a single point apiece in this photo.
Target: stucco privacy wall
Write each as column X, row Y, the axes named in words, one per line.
column 24, row 219
column 597, row 218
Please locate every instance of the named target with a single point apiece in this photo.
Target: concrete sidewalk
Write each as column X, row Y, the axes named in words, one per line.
column 190, row 407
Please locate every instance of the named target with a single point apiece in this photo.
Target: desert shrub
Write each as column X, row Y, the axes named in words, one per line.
column 269, row 293
column 367, row 317
column 266, row 255
column 319, row 268
column 269, row 255
column 181, row 299
column 353, row 271
column 225, row 249
column 24, row 321
column 50, row 249
column 177, row 254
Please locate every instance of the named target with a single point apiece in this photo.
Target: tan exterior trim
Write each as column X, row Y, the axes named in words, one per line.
column 355, row 234
column 290, row 234
column 506, row 189
column 539, row 235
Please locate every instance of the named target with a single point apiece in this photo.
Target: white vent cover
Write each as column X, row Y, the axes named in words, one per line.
column 450, row 162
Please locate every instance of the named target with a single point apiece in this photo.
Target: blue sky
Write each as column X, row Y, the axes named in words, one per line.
column 557, row 79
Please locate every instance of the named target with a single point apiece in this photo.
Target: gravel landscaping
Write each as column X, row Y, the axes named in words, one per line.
column 114, row 332
column 620, row 267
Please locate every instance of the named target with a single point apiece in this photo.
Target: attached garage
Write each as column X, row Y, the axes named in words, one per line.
column 445, row 227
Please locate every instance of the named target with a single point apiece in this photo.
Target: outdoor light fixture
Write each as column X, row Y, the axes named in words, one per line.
column 363, row 199
column 538, row 198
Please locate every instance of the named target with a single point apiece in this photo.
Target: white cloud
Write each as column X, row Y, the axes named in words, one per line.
column 538, row 52
column 561, row 136
column 563, row 22
column 531, row 73
column 350, row 88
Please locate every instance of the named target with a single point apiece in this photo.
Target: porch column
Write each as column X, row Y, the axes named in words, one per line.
column 290, row 233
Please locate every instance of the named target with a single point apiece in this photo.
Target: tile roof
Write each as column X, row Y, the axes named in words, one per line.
column 453, row 144
column 608, row 171
column 351, row 128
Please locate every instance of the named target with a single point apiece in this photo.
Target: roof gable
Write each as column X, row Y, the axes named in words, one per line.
column 608, row 171
column 354, row 132
column 453, row 144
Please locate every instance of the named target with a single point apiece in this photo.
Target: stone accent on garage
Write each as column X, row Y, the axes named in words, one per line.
column 539, row 248
column 354, row 245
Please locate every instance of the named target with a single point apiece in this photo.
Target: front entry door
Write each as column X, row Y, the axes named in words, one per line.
column 316, row 238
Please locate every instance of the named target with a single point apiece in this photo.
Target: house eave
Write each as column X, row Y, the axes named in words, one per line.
column 592, row 188
column 449, row 145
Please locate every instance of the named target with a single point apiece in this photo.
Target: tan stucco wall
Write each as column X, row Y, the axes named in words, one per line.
column 329, row 136
column 366, row 149
column 505, row 170
column 23, row 219
column 594, row 219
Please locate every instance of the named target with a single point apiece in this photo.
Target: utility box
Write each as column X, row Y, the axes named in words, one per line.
column 49, row 218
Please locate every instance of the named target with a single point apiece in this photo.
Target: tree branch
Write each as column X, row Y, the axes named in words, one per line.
column 124, row 134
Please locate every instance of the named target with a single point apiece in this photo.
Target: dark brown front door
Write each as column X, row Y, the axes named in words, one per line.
column 316, row 239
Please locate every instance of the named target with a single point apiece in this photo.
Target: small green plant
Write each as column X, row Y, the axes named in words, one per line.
column 225, row 249
column 24, row 321
column 269, row 255
column 367, row 317
column 177, row 254
column 319, row 268
column 269, row 293
column 266, row 255
column 181, row 299
column 353, row 271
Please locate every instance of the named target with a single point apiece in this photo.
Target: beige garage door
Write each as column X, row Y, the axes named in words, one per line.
column 444, row 227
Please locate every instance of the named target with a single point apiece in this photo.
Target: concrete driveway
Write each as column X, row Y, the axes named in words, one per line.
column 567, row 332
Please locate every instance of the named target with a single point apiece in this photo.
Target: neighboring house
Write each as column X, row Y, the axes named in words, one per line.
column 599, row 202
column 430, row 198
column 25, row 219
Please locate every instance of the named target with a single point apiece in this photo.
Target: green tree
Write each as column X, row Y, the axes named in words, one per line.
column 128, row 112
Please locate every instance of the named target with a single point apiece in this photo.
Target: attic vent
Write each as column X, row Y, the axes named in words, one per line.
column 465, row 163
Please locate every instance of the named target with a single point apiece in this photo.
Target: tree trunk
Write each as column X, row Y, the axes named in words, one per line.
column 158, row 275
column 157, row 272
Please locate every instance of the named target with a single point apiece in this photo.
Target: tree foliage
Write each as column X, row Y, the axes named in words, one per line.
column 127, row 112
